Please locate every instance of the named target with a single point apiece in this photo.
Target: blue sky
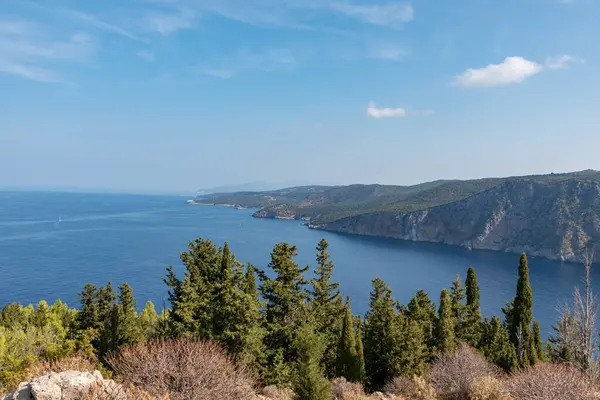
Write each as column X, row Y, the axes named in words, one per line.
column 174, row 95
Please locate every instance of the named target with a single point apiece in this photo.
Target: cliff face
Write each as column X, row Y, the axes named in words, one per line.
column 556, row 220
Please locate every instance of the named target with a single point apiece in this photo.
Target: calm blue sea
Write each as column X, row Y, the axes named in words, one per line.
column 51, row 244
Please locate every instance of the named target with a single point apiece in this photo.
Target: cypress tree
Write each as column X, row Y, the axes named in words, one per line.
column 285, row 308
column 309, row 381
column 446, row 323
column 360, row 350
column 522, row 315
column 326, row 306
column 382, row 338
column 471, row 332
column 347, row 363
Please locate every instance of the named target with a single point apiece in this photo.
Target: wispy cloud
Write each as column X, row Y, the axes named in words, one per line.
column 387, row 14
column 512, row 70
column 562, row 61
column 166, row 23
column 302, row 14
column 93, row 21
column 145, row 55
column 30, row 52
column 218, row 73
column 247, row 60
column 29, row 72
column 395, row 112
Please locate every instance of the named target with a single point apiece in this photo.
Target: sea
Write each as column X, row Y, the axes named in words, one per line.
column 52, row 243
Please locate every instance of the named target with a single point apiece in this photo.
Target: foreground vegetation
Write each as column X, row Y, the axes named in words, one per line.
column 274, row 328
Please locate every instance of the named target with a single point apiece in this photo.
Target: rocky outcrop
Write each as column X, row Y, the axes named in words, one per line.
column 68, row 385
column 555, row 220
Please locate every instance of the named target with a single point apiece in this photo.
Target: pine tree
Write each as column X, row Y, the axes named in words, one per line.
column 521, row 315
column 41, row 316
column 471, row 332
column 148, row 321
column 192, row 305
column 457, row 295
column 446, row 323
column 421, row 310
column 285, row 308
column 413, row 349
column 251, row 351
column 88, row 315
column 382, row 337
column 360, row 350
column 105, row 298
column 347, row 363
column 309, row 381
column 497, row 346
column 326, row 306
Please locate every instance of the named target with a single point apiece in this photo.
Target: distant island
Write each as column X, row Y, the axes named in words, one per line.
column 555, row 216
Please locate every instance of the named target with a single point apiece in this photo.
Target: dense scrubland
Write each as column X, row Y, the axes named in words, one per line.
column 235, row 331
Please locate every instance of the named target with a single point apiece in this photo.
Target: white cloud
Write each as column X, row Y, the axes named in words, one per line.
column 218, row 73
column 397, row 112
column 145, row 55
column 166, row 23
column 562, row 61
column 512, row 70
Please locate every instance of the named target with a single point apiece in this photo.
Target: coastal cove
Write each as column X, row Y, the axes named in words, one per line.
column 51, row 244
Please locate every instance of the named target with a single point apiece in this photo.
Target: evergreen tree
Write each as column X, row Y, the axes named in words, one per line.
column 149, row 321
column 446, row 323
column 326, row 306
column 471, row 331
column 521, row 316
column 347, row 363
column 105, row 298
column 251, row 351
column 421, row 310
column 360, row 350
column 382, row 338
column 129, row 330
column 41, row 316
column 285, row 308
column 413, row 350
column 457, row 295
column 498, row 347
column 88, row 315
column 192, row 305
column 309, row 381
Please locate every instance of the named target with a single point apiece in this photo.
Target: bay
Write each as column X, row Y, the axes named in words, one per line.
column 51, row 244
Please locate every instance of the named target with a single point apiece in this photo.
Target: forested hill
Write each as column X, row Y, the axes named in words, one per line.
column 554, row 216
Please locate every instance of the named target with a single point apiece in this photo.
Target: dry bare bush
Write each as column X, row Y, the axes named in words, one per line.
column 415, row 388
column 487, row 388
column 278, row 393
column 451, row 374
column 183, row 368
column 552, row 382
column 40, row 368
column 344, row 390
